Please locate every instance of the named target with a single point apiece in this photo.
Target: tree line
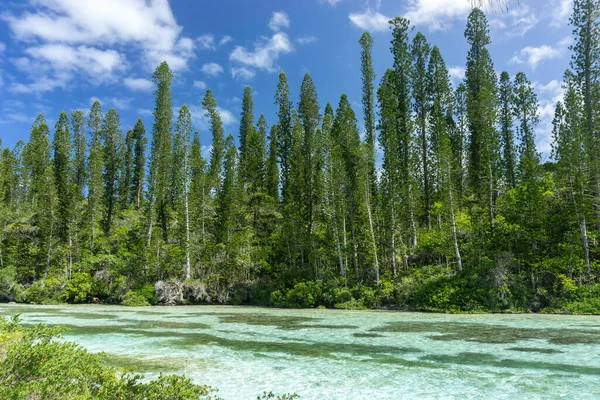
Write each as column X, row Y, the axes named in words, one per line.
column 444, row 203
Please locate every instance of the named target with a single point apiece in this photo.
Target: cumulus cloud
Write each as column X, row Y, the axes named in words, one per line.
column 457, row 74
column 206, row 42
column 370, row 20
column 139, row 84
column 199, row 85
column 516, row 22
column 279, row 20
column 561, row 11
column 91, row 35
column 548, row 94
column 532, row 56
column 212, row 69
column 201, row 121
column 265, row 52
column 242, row 73
column 144, row 112
column 437, row 15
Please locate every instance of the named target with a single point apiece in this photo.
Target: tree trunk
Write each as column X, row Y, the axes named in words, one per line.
column 373, row 243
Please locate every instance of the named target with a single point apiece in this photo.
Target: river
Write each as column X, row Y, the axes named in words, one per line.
column 331, row 354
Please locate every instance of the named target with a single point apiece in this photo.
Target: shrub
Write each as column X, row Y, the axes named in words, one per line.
column 79, row 288
column 46, row 291
column 134, row 299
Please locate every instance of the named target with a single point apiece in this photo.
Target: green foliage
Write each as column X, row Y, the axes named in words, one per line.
column 79, row 288
column 270, row 395
column 142, row 296
column 46, row 291
column 35, row 365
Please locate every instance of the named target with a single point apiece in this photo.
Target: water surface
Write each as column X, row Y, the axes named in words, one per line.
column 330, row 354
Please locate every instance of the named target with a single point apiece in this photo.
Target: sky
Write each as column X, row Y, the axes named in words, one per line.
column 63, row 54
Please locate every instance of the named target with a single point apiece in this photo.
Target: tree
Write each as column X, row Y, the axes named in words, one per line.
column 62, row 160
column 254, row 163
column 95, row 166
column 406, row 173
column 420, row 51
column 79, row 151
column 182, row 175
column 112, row 164
column 126, row 176
column 247, row 128
column 481, row 107
column 458, row 141
column 285, row 139
column 368, row 103
column 308, row 112
column 139, row 163
column 272, row 169
column 160, row 151
column 217, row 151
column 505, row 97
column 569, row 152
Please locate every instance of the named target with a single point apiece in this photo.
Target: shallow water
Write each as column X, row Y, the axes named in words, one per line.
column 330, row 354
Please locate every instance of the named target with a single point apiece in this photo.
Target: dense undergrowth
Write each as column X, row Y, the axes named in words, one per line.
column 435, row 289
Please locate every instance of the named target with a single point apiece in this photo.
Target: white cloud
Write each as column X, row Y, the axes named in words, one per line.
column 548, row 95
column 306, row 39
column 86, row 36
column 332, row 2
column 144, row 112
column 532, row 56
column 225, row 39
column 119, row 103
column 437, row 15
column 279, row 20
column 561, row 9
column 370, row 21
column 202, row 122
column 517, row 21
column 242, row 73
column 206, row 42
column 199, row 85
column 2, row 47
column 212, row 69
column 457, row 74
column 265, row 53
column 139, row 84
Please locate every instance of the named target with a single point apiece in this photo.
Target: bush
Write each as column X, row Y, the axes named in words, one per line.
column 134, row 299
column 46, row 291
column 79, row 288
column 35, row 366
column 302, row 295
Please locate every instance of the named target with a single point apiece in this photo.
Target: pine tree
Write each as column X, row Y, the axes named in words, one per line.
column 62, row 160
column 254, row 163
column 217, row 151
column 481, row 107
column 199, row 188
column 226, row 196
column 505, row 116
column 181, row 177
column 95, row 166
column 420, row 51
column 308, row 112
column 160, row 151
column 79, row 151
column 458, row 142
column 406, row 175
column 112, row 164
column 286, row 136
column 272, row 169
column 139, row 164
column 368, row 103
column 126, row 175
column 247, row 129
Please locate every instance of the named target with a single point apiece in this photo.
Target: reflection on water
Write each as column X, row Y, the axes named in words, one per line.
column 331, row 354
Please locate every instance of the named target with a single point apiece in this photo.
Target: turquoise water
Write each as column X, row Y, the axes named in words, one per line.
column 330, row 354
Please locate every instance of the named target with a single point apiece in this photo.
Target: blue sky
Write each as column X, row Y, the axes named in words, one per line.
column 63, row 54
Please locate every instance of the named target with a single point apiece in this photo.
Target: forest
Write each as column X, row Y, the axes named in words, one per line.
column 444, row 204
